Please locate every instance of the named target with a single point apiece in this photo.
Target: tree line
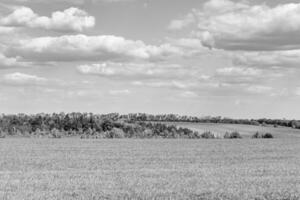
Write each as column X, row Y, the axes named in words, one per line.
column 115, row 125
column 209, row 119
column 87, row 125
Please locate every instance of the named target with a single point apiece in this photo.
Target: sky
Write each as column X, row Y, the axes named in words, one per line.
column 228, row 58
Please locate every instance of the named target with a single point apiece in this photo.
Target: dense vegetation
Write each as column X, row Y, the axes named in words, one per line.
column 208, row 119
column 117, row 126
column 87, row 126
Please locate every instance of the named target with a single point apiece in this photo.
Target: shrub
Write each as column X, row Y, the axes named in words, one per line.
column 83, row 137
column 268, row 136
column 147, row 133
column 116, row 133
column 260, row 135
column 2, row 135
column 196, row 134
column 257, row 135
column 208, row 135
column 232, row 135
column 55, row 133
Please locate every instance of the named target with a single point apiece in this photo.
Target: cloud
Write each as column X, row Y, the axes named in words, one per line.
column 189, row 46
column 73, row 2
column 139, row 70
column 6, row 62
column 239, row 75
column 71, row 19
column 83, row 47
column 119, row 92
column 175, row 84
column 245, row 75
column 268, row 59
column 241, row 26
column 18, row 78
column 6, row 30
column 194, row 89
column 189, row 94
column 238, row 71
column 297, row 91
column 259, row 89
column 179, row 24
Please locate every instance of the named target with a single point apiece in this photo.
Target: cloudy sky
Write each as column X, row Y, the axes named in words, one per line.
column 194, row 57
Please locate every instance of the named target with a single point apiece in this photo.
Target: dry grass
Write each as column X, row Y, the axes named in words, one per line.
column 149, row 169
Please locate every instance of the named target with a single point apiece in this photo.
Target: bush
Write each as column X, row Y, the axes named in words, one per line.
column 260, row 135
column 116, row 133
column 196, row 135
column 55, row 133
column 233, row 135
column 257, row 135
column 268, row 136
column 147, row 133
column 208, row 135
column 2, row 135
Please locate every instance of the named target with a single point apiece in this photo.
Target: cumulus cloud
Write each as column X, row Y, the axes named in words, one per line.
column 119, row 92
column 6, row 30
column 190, row 46
column 244, row 75
column 6, row 62
column 177, row 84
column 139, row 70
column 259, row 89
column 179, row 24
column 22, row 79
column 239, row 71
column 83, row 47
column 297, row 91
column 76, row 2
column 268, row 59
column 189, row 94
column 71, row 19
column 239, row 25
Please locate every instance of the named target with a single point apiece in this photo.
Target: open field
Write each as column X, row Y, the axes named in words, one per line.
column 244, row 130
column 149, row 169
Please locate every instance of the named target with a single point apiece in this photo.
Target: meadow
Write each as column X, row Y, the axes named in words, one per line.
column 71, row 168
column 246, row 131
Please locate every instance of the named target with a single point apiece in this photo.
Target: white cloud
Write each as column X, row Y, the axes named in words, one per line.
column 119, row 92
column 268, row 59
column 6, row 62
column 182, row 23
column 76, row 2
column 189, row 46
column 83, row 47
column 259, row 89
column 173, row 84
column 189, row 94
column 239, row 25
column 245, row 75
column 297, row 91
column 239, row 71
column 71, row 19
column 137, row 70
column 6, row 30
column 20, row 78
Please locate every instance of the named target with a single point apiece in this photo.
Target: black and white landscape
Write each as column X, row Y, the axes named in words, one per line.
column 86, row 88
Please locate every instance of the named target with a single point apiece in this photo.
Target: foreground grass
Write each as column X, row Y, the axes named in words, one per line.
column 150, row 169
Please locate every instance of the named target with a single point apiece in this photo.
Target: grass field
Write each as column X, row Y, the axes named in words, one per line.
column 45, row 169
column 245, row 130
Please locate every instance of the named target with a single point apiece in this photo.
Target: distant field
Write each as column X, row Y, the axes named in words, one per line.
column 245, row 130
column 245, row 169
